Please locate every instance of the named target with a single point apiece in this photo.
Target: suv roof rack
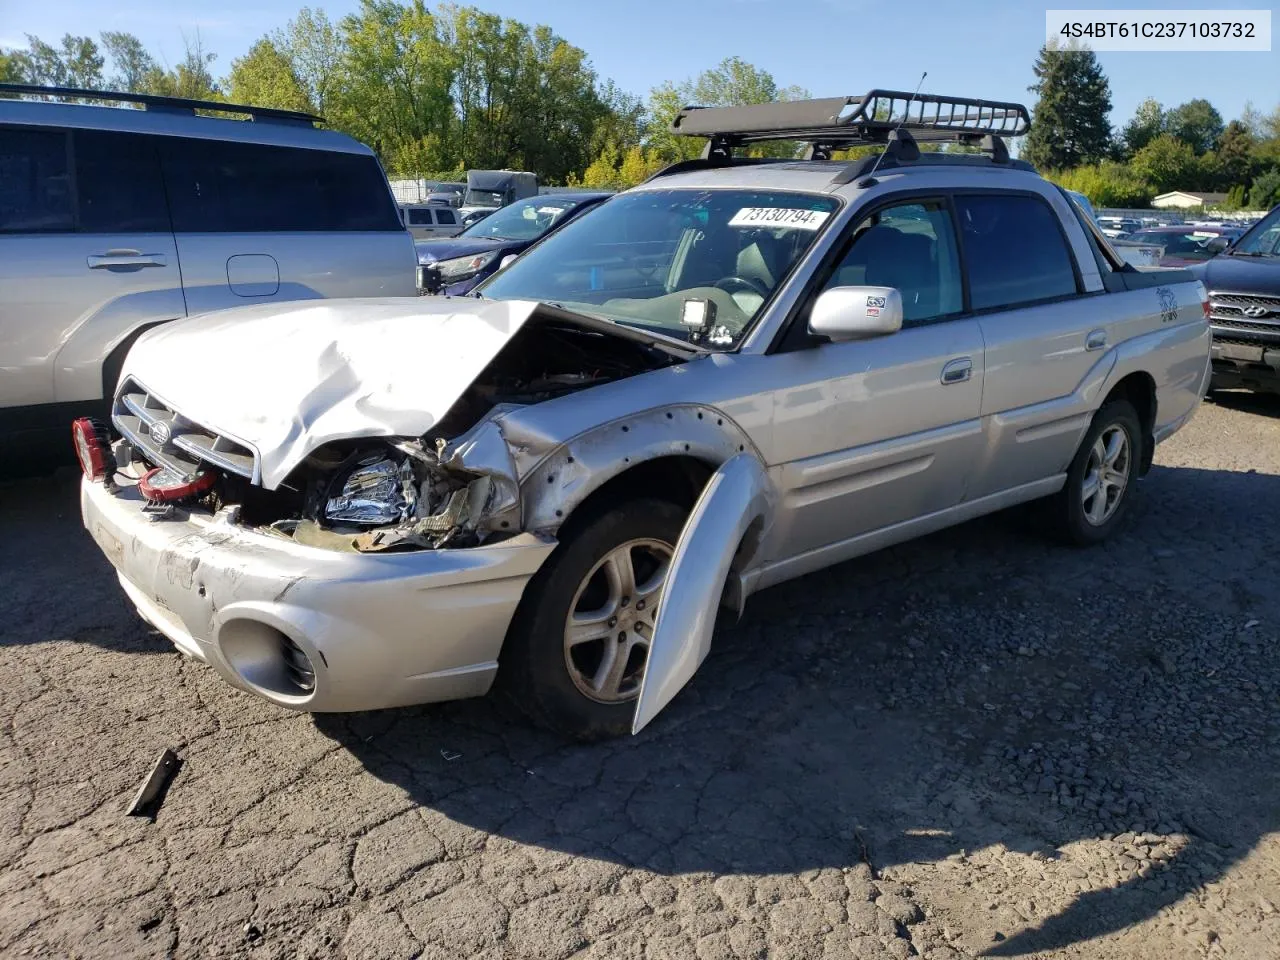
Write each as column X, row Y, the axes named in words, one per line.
column 163, row 104
column 827, row 123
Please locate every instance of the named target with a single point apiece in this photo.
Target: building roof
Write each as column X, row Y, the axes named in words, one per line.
column 1194, row 195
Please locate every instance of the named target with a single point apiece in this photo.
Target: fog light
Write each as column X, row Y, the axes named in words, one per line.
column 165, row 486
column 93, row 447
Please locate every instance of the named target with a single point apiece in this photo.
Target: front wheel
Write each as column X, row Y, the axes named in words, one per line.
column 1101, row 478
column 577, row 647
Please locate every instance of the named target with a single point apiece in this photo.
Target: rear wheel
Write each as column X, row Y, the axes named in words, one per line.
column 576, row 649
column 1101, row 478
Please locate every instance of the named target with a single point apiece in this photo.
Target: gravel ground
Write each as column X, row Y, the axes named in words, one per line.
column 978, row 744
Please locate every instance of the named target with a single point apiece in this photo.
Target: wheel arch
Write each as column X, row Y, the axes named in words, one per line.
column 1139, row 389
column 669, row 452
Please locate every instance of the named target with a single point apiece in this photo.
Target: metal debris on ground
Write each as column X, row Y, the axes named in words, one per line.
column 146, row 802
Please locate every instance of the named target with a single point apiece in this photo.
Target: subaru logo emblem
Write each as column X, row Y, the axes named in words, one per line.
column 160, row 432
column 1256, row 312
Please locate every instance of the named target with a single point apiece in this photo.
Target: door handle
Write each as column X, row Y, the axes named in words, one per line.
column 125, row 258
column 1096, row 340
column 957, row 371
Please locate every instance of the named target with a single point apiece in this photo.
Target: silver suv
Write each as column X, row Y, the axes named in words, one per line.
column 115, row 220
column 737, row 373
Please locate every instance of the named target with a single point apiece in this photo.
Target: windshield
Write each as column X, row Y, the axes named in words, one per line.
column 483, row 198
column 1263, row 240
column 522, row 220
column 1188, row 245
column 640, row 256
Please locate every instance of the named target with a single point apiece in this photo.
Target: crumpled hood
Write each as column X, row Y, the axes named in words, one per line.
column 287, row 378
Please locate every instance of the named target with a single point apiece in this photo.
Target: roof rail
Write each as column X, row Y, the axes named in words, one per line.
column 827, row 123
column 163, row 104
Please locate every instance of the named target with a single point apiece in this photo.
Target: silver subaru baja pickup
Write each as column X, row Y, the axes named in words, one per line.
column 734, row 374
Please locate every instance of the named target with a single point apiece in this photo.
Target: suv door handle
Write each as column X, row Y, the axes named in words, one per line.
column 957, row 371
column 1096, row 340
column 125, row 258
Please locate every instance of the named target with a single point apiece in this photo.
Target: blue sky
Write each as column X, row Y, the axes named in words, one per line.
column 830, row 47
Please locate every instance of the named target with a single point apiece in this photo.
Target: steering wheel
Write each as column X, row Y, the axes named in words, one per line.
column 733, row 284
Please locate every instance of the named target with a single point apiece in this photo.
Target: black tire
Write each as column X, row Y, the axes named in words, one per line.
column 534, row 670
column 1066, row 510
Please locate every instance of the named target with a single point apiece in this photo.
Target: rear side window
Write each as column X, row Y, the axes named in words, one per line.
column 223, row 187
column 118, row 184
column 1014, row 251
column 35, row 182
column 419, row 218
column 446, row 216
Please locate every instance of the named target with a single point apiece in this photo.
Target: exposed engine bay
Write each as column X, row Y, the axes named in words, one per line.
column 378, row 494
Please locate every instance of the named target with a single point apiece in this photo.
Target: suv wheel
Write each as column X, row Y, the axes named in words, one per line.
column 1101, row 478
column 576, row 649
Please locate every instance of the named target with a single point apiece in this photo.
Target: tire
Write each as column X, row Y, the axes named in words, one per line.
column 1081, row 520
column 539, row 672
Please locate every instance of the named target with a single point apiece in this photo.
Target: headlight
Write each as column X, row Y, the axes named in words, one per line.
column 377, row 491
column 459, row 268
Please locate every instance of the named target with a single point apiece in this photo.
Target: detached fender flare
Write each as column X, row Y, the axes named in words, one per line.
column 737, row 496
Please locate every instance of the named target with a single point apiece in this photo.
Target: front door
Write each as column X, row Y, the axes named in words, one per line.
column 872, row 433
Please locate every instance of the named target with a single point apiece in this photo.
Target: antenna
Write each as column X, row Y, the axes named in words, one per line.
column 905, row 114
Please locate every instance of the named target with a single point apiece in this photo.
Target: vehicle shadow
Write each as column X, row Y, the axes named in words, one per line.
column 55, row 584
column 1248, row 401
column 977, row 689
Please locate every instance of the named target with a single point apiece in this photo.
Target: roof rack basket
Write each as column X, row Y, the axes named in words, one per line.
column 150, row 102
column 836, row 122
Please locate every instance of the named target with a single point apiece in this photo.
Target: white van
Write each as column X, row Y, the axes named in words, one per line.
column 428, row 220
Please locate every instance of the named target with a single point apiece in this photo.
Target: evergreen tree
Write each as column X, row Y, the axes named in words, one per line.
column 1069, row 125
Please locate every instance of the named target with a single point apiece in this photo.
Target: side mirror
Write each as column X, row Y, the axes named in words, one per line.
column 856, row 313
column 1217, row 245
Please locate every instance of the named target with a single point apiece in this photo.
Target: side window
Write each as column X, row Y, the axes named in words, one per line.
column 1014, row 251
column 446, row 217
column 227, row 187
column 118, row 185
column 910, row 246
column 419, row 217
column 35, row 184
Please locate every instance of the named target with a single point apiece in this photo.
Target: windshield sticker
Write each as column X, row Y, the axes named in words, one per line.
column 788, row 217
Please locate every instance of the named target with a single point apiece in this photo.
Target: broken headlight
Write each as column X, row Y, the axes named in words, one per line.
column 376, row 490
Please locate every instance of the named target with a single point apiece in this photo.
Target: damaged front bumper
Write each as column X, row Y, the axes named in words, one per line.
column 311, row 628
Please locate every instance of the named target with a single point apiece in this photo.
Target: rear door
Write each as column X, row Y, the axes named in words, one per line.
column 86, row 258
column 1044, row 332
column 257, row 222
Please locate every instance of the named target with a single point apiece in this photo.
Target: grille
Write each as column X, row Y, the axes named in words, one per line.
column 297, row 665
column 168, row 439
column 1233, row 306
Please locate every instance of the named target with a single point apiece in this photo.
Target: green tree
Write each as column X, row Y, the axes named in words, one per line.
column 1235, row 154
column 1069, row 125
column 314, row 48
column 1146, row 125
column 731, row 83
column 1107, row 184
column 1265, row 192
column 76, row 62
column 192, row 78
column 1166, row 163
column 132, row 63
column 1196, row 123
column 13, row 67
column 391, row 88
column 265, row 77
